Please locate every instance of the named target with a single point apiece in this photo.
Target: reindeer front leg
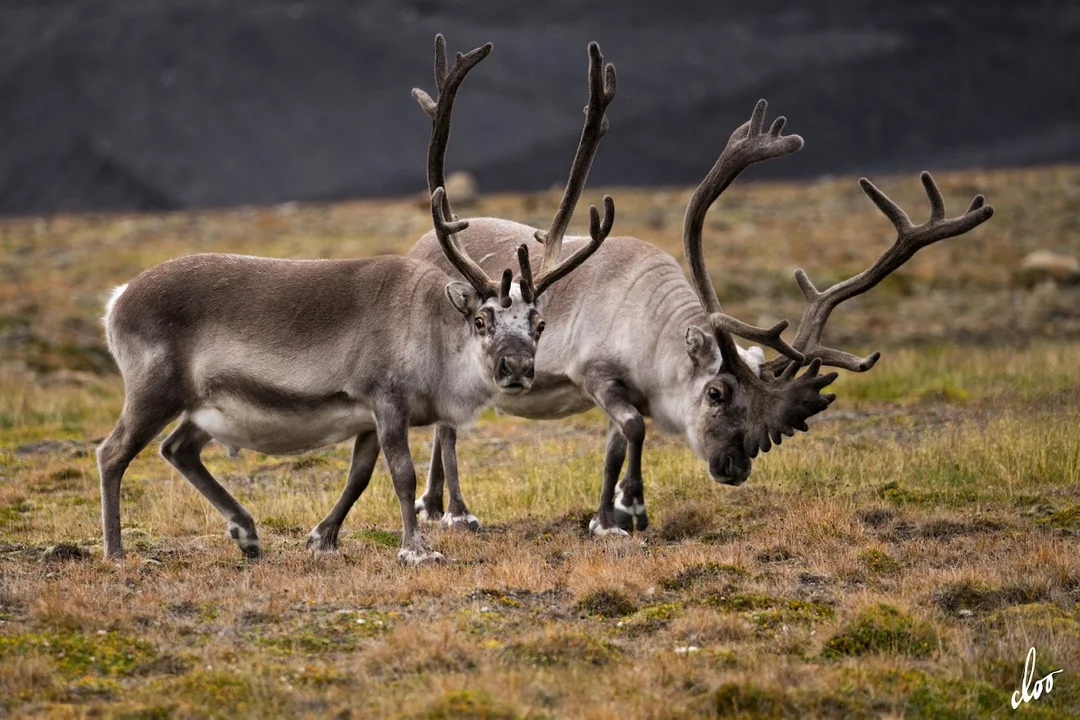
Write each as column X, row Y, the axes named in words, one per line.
column 393, row 431
column 626, row 438
column 429, row 506
column 324, row 538
column 457, row 514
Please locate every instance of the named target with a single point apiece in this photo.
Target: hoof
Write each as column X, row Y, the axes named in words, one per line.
column 248, row 540
column 408, row 556
column 597, row 531
column 630, row 515
column 427, row 515
column 466, row 521
column 322, row 543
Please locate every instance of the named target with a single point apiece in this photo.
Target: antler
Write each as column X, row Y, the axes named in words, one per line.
column 749, row 144
column 601, row 93
column 910, row 239
column 447, row 82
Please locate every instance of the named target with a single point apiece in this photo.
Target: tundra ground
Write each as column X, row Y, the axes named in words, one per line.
column 897, row 561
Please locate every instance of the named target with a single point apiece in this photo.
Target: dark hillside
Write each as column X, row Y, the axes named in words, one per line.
column 141, row 104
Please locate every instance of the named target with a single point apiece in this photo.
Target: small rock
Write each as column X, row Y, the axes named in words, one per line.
column 1043, row 265
column 965, row 613
column 64, row 551
column 462, row 190
column 64, row 448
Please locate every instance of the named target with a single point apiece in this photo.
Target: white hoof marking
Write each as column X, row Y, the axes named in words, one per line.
column 407, row 556
column 635, row 508
column 596, row 530
column 468, row 519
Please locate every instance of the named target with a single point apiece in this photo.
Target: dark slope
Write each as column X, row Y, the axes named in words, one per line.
column 173, row 104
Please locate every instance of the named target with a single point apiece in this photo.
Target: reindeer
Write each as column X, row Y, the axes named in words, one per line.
column 284, row 356
column 631, row 335
column 495, row 231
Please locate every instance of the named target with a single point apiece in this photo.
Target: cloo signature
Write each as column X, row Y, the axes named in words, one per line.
column 1029, row 691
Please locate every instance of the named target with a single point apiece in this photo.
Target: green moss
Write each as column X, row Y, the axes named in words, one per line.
column 562, row 648
column 77, row 654
column 467, row 705
column 701, row 573
column 883, row 629
column 879, row 562
column 137, row 539
column 500, row 597
column 341, row 632
column 381, row 538
column 607, row 603
column 650, row 618
column 216, row 692
column 1068, row 519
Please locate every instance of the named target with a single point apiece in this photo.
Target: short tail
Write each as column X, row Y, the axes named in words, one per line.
column 109, row 304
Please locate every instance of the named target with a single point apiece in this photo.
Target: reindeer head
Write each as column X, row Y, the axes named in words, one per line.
column 745, row 405
column 737, row 413
column 506, row 325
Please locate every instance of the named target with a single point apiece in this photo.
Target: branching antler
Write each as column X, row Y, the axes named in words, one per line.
column 749, row 144
column 601, row 93
column 910, row 239
column 447, row 82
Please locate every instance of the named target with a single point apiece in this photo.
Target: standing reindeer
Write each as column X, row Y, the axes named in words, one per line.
column 284, row 356
column 494, row 233
column 632, row 336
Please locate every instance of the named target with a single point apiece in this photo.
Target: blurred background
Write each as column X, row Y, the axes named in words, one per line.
column 134, row 131
column 176, row 104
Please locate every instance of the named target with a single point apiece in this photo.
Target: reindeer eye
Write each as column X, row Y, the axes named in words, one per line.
column 715, row 395
column 540, row 327
column 478, row 322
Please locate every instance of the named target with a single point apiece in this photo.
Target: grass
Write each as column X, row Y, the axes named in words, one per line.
column 897, row 561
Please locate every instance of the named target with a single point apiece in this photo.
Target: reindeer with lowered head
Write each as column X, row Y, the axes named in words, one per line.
column 284, row 356
column 631, row 335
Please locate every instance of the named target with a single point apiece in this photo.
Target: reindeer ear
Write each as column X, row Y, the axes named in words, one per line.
column 700, row 346
column 463, row 297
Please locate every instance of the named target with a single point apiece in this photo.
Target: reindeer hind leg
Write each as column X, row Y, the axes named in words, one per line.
column 143, row 417
column 183, row 449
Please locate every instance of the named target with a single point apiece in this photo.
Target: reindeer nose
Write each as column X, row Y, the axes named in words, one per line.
column 516, row 368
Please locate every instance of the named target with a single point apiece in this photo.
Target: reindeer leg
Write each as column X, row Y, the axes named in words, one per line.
column 458, row 516
column 626, row 436
column 324, row 538
column 393, row 430
column 182, row 449
column 138, row 425
column 429, row 506
column 630, row 491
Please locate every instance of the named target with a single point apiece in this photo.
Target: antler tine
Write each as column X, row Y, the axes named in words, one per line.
column 909, row 240
column 447, row 82
column 749, row 144
column 598, row 232
column 445, row 230
column 769, row 337
column 528, row 291
column 601, row 93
